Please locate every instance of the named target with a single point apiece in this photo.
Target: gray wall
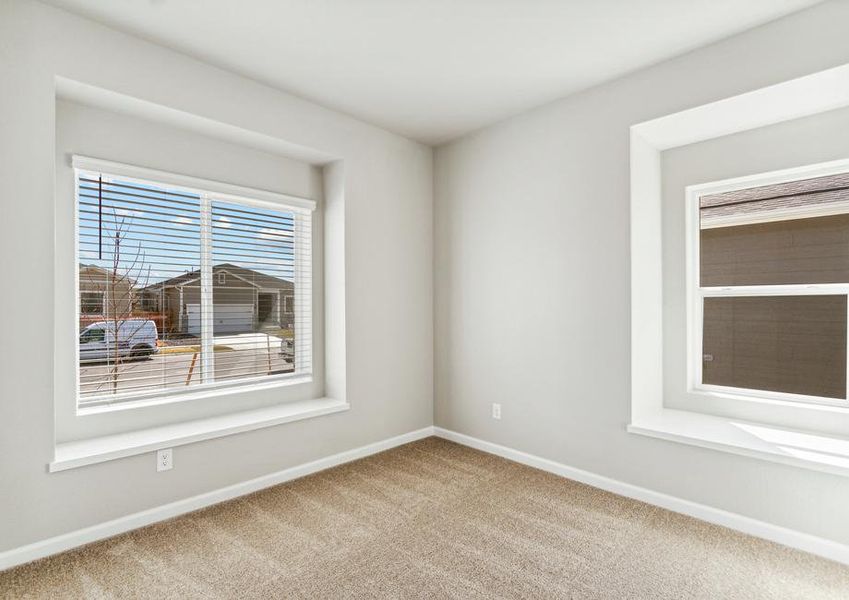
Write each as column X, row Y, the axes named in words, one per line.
column 387, row 191
column 532, row 221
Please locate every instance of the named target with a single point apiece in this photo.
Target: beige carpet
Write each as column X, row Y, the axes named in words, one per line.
column 431, row 519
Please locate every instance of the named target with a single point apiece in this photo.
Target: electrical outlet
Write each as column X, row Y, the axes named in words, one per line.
column 164, row 459
column 496, row 411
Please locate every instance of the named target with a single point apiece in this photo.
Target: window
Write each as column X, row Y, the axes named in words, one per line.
column 91, row 303
column 96, row 334
column 769, row 279
column 186, row 282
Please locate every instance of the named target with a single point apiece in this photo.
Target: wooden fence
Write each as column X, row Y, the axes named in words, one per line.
column 161, row 319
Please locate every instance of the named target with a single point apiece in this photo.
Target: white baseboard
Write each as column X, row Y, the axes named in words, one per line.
column 788, row 537
column 774, row 533
column 67, row 541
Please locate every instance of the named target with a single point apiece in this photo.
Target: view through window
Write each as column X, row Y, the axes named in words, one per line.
column 179, row 289
column 773, row 284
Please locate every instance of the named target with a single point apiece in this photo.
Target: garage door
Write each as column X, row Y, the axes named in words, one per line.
column 229, row 318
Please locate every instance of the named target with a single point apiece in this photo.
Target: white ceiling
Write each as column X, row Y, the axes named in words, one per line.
column 433, row 69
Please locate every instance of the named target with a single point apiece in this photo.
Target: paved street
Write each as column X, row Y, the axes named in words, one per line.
column 236, row 356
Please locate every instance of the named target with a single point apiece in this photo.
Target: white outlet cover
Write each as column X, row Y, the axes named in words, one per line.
column 496, row 411
column 164, row 459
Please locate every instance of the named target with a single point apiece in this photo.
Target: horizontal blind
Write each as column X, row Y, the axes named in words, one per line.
column 260, row 291
column 179, row 289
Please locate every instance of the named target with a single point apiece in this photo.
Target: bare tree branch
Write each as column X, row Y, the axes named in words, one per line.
column 121, row 291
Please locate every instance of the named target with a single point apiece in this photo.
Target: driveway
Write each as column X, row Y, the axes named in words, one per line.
column 236, row 356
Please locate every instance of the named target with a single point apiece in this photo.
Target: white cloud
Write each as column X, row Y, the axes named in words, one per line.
column 224, row 222
column 274, row 235
column 126, row 212
column 280, row 262
column 181, row 221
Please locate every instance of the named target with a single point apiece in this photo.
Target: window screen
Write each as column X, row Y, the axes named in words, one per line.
column 790, row 344
column 180, row 289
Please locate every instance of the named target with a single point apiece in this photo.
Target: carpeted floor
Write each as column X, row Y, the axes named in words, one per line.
column 431, row 519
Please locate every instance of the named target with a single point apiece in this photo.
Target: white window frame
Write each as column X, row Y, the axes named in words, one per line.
column 696, row 294
column 209, row 192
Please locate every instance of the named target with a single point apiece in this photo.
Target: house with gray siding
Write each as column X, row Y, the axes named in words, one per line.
column 244, row 300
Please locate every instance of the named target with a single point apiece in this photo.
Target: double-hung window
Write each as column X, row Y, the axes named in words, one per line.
column 768, row 285
column 186, row 284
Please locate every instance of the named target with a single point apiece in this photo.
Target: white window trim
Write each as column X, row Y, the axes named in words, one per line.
column 220, row 190
column 795, row 447
column 80, row 453
column 808, row 95
column 208, row 190
column 696, row 293
column 207, row 320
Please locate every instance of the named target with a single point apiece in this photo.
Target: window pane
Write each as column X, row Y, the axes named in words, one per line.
column 793, row 344
column 801, row 251
column 796, row 232
column 145, row 252
column 138, row 245
column 91, row 303
column 253, row 264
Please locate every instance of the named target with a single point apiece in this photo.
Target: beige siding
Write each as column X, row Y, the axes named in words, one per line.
column 231, row 285
column 785, row 344
column 785, row 252
column 119, row 294
column 794, row 344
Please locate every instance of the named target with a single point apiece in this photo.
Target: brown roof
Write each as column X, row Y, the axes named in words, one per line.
column 253, row 277
column 830, row 191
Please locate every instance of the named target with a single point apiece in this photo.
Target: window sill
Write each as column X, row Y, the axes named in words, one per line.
column 204, row 392
column 71, row 455
column 791, row 447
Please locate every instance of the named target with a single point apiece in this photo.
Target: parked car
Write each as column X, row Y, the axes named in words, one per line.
column 136, row 338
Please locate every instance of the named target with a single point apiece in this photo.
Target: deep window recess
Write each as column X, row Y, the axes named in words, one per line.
column 182, row 289
column 770, row 290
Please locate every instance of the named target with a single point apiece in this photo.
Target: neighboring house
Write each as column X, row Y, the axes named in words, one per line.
column 101, row 295
column 788, row 233
column 243, row 300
